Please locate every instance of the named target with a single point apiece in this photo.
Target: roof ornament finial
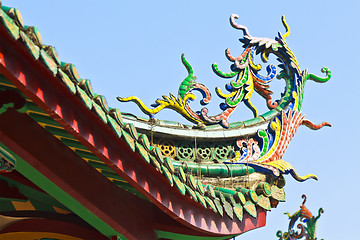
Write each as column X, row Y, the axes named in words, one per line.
column 247, row 77
column 306, row 224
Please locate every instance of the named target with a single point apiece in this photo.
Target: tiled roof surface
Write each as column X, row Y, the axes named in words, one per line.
column 232, row 203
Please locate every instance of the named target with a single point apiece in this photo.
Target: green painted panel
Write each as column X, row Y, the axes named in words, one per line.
column 41, row 118
column 111, row 175
column 73, row 143
column 34, row 108
column 59, row 132
column 100, row 165
column 87, row 155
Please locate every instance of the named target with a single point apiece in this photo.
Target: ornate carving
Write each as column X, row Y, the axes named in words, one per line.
column 264, row 151
column 306, row 224
column 247, row 79
column 185, row 151
column 167, row 148
column 204, row 152
column 222, row 152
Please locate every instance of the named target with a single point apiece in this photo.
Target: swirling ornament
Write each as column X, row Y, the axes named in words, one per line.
column 248, row 79
column 306, row 225
column 275, row 140
column 266, row 150
column 180, row 104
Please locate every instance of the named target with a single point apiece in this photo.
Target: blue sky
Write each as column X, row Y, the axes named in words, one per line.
column 133, row 48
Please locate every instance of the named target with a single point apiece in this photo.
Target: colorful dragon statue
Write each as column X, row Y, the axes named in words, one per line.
column 307, row 225
column 263, row 152
column 247, row 80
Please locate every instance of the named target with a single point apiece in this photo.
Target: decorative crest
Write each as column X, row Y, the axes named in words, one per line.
column 264, row 150
column 306, row 224
column 247, row 78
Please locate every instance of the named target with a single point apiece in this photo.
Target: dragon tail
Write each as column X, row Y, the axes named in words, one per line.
column 141, row 105
column 312, row 126
column 302, row 178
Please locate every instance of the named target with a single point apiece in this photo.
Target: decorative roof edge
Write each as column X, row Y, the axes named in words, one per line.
column 266, row 159
column 219, row 203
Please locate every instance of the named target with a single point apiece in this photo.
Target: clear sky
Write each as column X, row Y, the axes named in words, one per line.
column 133, row 48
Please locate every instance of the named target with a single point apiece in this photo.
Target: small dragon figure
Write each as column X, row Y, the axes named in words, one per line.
column 307, row 224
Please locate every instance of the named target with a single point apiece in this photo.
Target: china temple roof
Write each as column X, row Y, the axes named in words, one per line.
column 157, row 148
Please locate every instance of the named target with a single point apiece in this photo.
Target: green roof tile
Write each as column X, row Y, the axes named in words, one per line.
column 32, row 48
column 10, row 25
